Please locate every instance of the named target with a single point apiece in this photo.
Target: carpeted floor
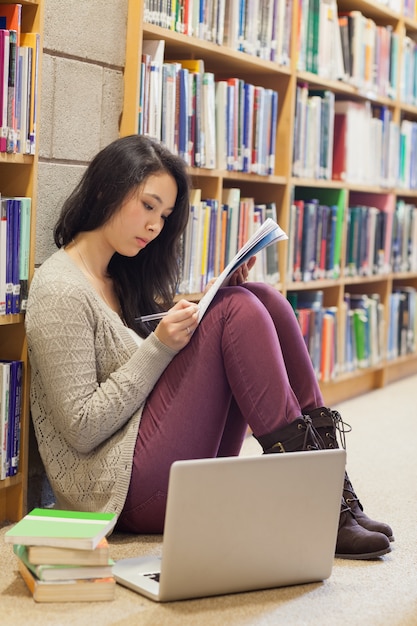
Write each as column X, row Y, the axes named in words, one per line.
column 382, row 464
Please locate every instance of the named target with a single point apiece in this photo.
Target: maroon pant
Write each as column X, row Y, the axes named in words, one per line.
column 246, row 364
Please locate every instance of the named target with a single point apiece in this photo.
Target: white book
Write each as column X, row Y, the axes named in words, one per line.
column 156, row 49
column 169, row 96
column 209, row 120
column 23, row 98
column 3, row 251
column 221, row 124
column 231, row 24
column 267, row 234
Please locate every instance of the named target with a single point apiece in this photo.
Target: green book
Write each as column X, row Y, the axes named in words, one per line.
column 61, row 529
column 63, row 572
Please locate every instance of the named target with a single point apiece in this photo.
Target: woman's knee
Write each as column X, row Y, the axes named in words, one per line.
column 272, row 299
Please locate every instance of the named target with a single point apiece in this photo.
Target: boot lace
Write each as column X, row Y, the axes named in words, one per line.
column 341, row 427
column 311, row 435
column 348, row 487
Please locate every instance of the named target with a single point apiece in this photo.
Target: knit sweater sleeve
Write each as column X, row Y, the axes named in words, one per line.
column 86, row 368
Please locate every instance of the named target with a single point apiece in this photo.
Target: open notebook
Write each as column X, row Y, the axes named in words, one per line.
column 243, row 523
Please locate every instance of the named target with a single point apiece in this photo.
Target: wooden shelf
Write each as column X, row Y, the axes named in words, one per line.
column 224, row 61
column 18, row 177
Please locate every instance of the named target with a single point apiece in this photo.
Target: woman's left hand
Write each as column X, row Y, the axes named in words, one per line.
column 241, row 274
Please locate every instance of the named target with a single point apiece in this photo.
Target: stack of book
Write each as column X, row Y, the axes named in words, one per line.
column 63, row 556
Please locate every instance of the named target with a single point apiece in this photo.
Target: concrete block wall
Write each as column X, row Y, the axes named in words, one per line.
column 80, row 105
column 80, row 101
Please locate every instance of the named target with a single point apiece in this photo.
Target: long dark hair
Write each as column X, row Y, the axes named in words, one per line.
column 147, row 282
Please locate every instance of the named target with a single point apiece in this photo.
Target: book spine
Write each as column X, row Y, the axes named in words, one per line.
column 15, row 256
column 9, row 254
column 4, row 81
column 3, row 255
column 16, row 380
column 11, row 95
column 4, row 417
column 24, row 250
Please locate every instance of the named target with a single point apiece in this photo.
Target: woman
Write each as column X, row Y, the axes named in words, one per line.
column 114, row 400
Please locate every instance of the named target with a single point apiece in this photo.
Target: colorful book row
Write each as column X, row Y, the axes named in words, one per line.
column 315, row 238
column 361, row 343
column 364, row 325
column 11, row 373
column 319, row 327
column 313, row 133
column 381, row 240
column 19, row 63
column 257, row 27
column 347, row 46
column 338, row 139
column 14, row 253
column 362, row 131
column 402, row 330
column 214, row 234
column 225, row 124
column 340, row 341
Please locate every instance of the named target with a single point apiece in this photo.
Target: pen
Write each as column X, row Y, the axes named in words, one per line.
column 152, row 316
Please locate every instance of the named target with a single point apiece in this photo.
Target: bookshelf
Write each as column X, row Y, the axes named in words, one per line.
column 282, row 186
column 18, row 177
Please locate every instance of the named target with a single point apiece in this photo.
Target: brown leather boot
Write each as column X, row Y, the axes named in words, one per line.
column 353, row 540
column 356, row 542
column 327, row 424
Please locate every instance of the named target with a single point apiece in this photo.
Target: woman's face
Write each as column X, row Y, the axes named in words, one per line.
column 141, row 217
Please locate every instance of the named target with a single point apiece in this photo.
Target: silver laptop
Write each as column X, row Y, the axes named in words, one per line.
column 243, row 523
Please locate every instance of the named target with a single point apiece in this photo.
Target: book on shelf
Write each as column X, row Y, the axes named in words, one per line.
column 313, row 133
column 383, row 222
column 366, row 316
column 24, row 248
column 10, row 25
column 19, row 70
column 69, row 556
column 271, row 273
column 62, row 572
column 14, row 253
column 32, row 41
column 266, row 235
column 329, row 353
column 62, row 529
column 403, row 322
column 4, row 416
column 155, row 49
column 87, row 590
column 4, row 80
column 310, row 311
column 260, row 28
column 211, row 123
column 11, row 373
column 23, row 98
column 208, row 121
column 231, row 203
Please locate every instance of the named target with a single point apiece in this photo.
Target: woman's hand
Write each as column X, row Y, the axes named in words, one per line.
column 240, row 275
column 176, row 329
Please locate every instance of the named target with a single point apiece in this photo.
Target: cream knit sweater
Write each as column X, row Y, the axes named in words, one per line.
column 89, row 383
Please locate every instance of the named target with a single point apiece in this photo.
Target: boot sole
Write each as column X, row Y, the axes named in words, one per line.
column 369, row 556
